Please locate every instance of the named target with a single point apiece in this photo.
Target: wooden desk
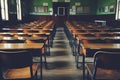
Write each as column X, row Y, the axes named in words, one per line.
column 8, row 30
column 30, row 34
column 23, row 46
column 98, row 35
column 99, row 38
column 13, row 46
column 77, row 33
column 84, row 30
column 95, row 40
column 34, row 38
column 23, row 38
column 97, row 46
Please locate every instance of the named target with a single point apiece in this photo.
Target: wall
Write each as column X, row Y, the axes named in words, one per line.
column 84, row 7
column 106, row 7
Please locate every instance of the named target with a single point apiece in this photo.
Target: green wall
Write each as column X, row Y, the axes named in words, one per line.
column 83, row 4
column 98, row 7
column 106, row 7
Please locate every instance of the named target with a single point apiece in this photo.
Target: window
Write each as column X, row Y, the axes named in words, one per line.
column 19, row 14
column 43, row 9
column 118, row 10
column 4, row 9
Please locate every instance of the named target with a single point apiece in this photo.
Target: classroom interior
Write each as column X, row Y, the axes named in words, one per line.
column 59, row 40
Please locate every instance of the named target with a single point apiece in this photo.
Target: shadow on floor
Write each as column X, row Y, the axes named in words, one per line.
column 60, row 46
column 57, row 65
column 59, row 53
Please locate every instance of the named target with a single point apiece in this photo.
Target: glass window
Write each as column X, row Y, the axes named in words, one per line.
column 19, row 14
column 118, row 10
column 4, row 9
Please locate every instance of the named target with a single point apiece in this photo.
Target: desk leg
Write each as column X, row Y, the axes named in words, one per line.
column 83, row 67
column 41, row 67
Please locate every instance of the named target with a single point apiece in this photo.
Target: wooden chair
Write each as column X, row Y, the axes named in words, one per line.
column 103, row 35
column 12, row 41
column 30, row 31
column 16, row 65
column 37, row 54
column 93, row 41
column 107, row 40
column 48, row 42
column 106, row 66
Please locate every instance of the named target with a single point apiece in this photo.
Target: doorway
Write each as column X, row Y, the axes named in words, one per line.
column 61, row 11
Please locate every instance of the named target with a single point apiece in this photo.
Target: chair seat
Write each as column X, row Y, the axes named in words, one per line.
column 103, row 73
column 20, row 73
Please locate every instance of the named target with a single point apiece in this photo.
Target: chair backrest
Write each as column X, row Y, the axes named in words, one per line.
column 93, row 41
column 12, row 41
column 15, row 59
column 103, row 35
column 112, row 40
column 39, row 35
column 107, row 60
column 6, row 35
column 35, row 41
column 22, row 35
column 30, row 31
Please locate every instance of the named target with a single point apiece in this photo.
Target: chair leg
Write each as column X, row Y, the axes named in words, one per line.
column 45, row 61
column 1, row 77
column 73, row 49
column 88, row 76
column 77, row 60
column 47, row 50
column 45, row 54
column 83, row 66
column 36, row 76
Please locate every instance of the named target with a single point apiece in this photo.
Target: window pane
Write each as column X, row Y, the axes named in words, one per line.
column 4, row 9
column 118, row 10
column 19, row 15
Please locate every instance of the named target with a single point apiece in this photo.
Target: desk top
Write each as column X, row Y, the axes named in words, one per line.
column 15, row 46
column 101, row 45
column 107, row 46
column 25, row 29
column 77, row 33
column 4, row 33
column 101, row 38
column 23, row 38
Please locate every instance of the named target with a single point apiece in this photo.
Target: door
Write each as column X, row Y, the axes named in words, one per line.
column 61, row 11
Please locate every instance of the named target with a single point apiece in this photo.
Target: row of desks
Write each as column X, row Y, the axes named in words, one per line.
column 103, row 39
column 85, row 47
column 26, row 33
column 25, row 30
column 22, row 46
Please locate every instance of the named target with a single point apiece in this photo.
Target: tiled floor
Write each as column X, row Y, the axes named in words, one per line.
column 61, row 62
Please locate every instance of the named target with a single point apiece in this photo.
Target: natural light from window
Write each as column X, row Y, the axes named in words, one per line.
column 118, row 10
column 19, row 14
column 4, row 9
